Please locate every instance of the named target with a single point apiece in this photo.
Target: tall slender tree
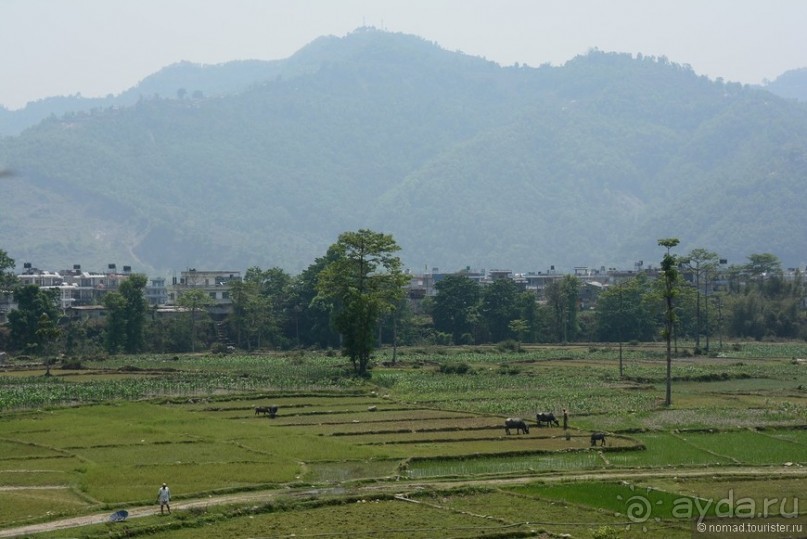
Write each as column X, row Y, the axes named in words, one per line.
column 196, row 301
column 623, row 314
column 700, row 262
column 562, row 296
column 669, row 268
column 47, row 332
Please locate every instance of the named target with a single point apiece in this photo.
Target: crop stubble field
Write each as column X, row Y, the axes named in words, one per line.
column 416, row 451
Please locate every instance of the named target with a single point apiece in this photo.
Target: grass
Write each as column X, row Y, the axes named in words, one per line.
column 341, row 471
column 364, row 517
column 27, row 505
column 19, row 472
column 560, row 517
column 134, row 484
column 460, row 514
column 614, row 497
column 134, row 422
column 474, row 466
column 716, row 489
column 665, row 450
column 751, row 447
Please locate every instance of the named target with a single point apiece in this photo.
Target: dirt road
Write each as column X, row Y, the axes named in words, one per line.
column 394, row 487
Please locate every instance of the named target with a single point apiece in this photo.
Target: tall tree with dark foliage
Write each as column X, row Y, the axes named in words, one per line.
column 361, row 284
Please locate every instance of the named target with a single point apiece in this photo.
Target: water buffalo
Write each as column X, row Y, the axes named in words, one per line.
column 271, row 411
column 598, row 436
column 516, row 423
column 546, row 417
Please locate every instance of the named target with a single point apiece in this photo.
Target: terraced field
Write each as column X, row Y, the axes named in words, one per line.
column 412, row 453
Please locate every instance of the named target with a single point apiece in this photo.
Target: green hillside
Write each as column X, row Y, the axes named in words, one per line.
column 463, row 161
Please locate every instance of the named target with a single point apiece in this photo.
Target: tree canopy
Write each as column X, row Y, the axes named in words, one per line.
column 363, row 282
column 455, row 306
column 127, row 315
column 33, row 303
column 7, row 277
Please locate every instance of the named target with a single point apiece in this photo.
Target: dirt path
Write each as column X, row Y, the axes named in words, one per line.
column 406, row 486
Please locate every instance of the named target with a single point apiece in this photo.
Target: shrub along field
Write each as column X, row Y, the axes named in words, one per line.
column 419, row 450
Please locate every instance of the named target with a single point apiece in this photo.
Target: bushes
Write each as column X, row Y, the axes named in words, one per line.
column 511, row 370
column 219, row 348
column 72, row 364
column 604, row 532
column 456, row 367
column 508, row 346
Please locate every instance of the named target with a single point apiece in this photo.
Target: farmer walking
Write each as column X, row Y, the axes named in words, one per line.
column 566, row 424
column 164, row 498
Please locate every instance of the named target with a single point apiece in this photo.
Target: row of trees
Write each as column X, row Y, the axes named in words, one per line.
column 752, row 301
column 464, row 312
column 339, row 300
column 353, row 298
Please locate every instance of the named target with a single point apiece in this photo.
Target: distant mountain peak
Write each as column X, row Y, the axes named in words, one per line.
column 790, row 84
column 463, row 161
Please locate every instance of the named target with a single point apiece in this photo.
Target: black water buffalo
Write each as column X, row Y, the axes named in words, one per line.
column 598, row 436
column 546, row 417
column 516, row 423
column 271, row 411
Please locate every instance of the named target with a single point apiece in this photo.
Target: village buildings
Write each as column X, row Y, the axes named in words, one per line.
column 80, row 292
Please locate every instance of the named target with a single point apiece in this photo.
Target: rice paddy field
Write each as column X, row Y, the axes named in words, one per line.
column 415, row 451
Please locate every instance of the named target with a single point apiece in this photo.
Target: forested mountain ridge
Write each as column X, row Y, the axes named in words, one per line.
column 465, row 162
column 790, row 84
column 175, row 81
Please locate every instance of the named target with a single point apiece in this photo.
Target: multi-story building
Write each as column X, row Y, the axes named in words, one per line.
column 90, row 287
column 156, row 292
column 216, row 284
column 49, row 280
column 75, row 287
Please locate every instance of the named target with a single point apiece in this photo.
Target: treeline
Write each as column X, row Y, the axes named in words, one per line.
column 273, row 310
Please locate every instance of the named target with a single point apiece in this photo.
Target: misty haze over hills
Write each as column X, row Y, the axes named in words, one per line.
column 189, row 79
column 464, row 162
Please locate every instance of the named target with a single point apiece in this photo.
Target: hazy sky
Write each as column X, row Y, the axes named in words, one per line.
column 100, row 47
